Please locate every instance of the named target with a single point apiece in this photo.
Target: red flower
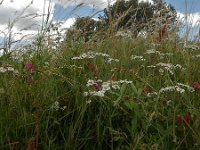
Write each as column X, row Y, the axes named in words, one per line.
column 90, row 66
column 188, row 119
column 146, row 91
column 29, row 66
column 179, row 119
column 97, row 86
column 196, row 85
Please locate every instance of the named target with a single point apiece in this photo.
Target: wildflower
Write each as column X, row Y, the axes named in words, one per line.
column 109, row 60
column 2, row 69
column 139, row 58
column 152, row 51
column 8, row 69
column 179, row 119
column 90, row 66
column 97, row 86
column 92, row 54
column 172, row 88
column 29, row 66
column 88, row 101
column 196, row 85
column 169, row 102
column 188, row 119
column 196, row 56
column 125, row 81
column 95, row 93
column 161, row 71
column 55, row 105
column 152, row 94
column 146, row 91
column 115, row 86
column 190, row 89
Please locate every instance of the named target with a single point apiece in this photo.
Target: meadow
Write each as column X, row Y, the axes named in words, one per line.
column 113, row 93
column 117, row 94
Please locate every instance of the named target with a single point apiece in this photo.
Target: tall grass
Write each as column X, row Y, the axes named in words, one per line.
column 119, row 93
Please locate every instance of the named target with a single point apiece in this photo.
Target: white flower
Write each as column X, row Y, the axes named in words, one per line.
column 111, row 59
column 172, row 88
column 167, row 66
column 125, row 81
column 106, row 86
column 56, row 105
column 92, row 54
column 190, row 89
column 161, row 71
column 95, row 93
column 2, row 69
column 196, row 56
column 151, row 66
column 152, row 94
column 115, row 86
column 88, row 102
column 90, row 82
column 152, row 51
column 8, row 69
column 76, row 58
column 139, row 58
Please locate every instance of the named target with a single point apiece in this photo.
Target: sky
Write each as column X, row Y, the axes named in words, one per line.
column 24, row 17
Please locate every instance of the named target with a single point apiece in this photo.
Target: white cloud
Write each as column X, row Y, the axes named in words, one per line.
column 23, row 18
column 92, row 3
column 68, row 23
column 190, row 24
column 191, row 19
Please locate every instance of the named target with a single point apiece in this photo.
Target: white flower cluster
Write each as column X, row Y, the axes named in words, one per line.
column 190, row 89
column 105, row 86
column 100, row 93
column 109, row 60
column 92, row 54
column 167, row 66
column 127, row 34
column 152, row 94
column 196, row 56
column 93, row 82
column 8, row 69
column 139, row 58
column 153, row 51
column 75, row 67
column 192, row 47
column 172, row 88
column 179, row 87
column 56, row 106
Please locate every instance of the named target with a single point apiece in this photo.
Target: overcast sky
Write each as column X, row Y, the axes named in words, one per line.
column 26, row 15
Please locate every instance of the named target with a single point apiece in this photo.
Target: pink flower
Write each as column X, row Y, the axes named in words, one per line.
column 179, row 119
column 29, row 66
column 196, row 85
